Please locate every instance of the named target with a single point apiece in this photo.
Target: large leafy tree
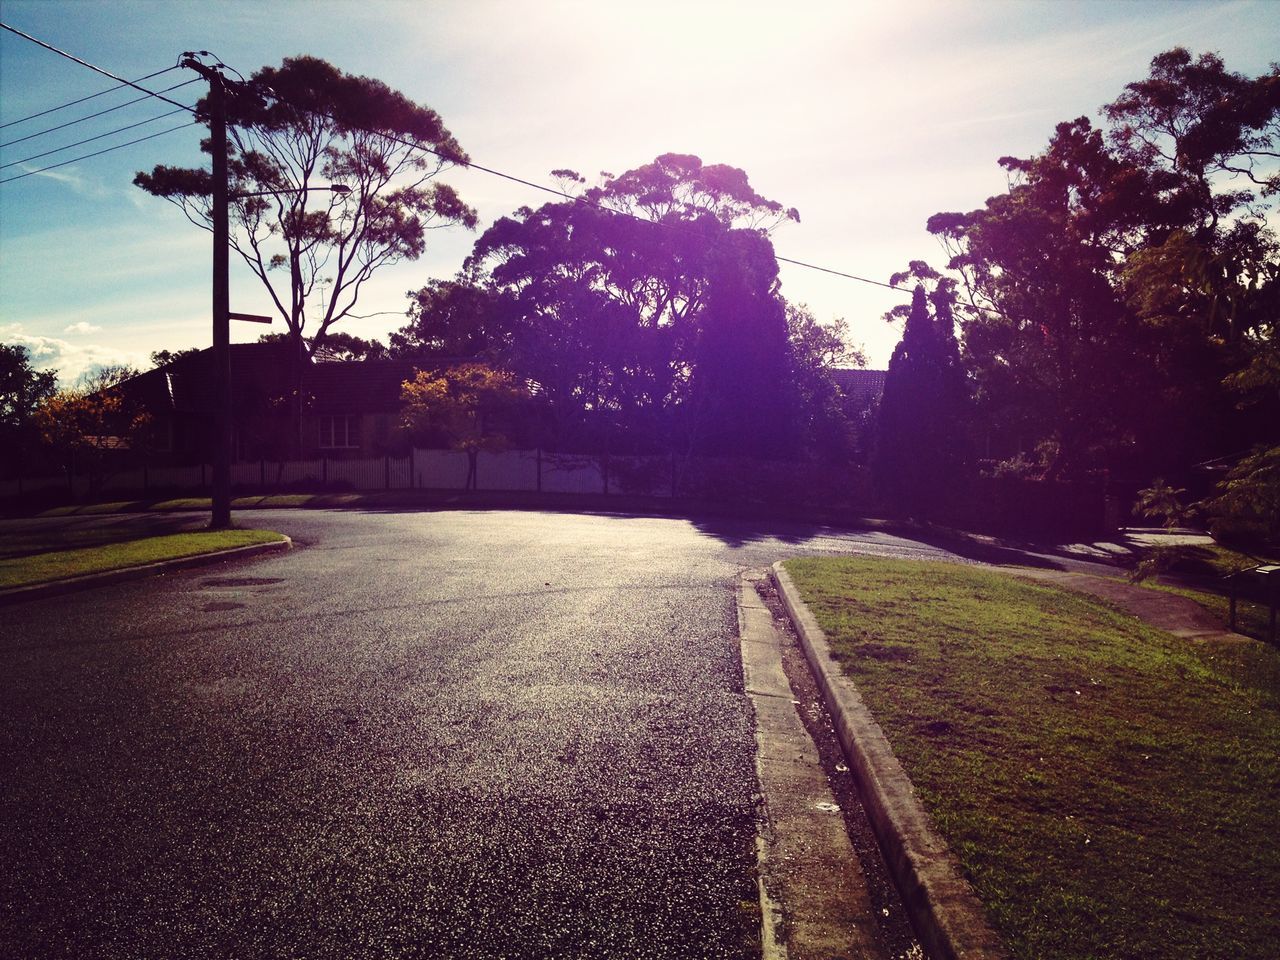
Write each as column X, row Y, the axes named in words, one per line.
column 1049, row 339
column 307, row 124
column 830, row 426
column 630, row 304
column 1127, row 271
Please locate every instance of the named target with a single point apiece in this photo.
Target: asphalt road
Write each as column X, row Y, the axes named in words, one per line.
column 465, row 734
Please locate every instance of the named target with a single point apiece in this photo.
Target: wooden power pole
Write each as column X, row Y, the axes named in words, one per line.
column 222, row 438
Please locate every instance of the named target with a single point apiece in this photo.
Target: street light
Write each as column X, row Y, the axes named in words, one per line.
column 337, row 188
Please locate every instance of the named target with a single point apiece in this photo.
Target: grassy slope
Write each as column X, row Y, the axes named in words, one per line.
column 58, row 565
column 1110, row 790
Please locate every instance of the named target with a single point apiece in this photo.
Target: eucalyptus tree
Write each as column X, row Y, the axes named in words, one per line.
column 294, row 131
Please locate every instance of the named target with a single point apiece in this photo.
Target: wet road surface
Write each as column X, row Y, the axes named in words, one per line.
column 477, row 734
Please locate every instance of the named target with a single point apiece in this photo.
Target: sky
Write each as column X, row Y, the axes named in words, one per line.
column 867, row 117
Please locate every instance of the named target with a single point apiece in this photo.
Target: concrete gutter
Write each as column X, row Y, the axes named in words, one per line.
column 945, row 912
column 56, row 588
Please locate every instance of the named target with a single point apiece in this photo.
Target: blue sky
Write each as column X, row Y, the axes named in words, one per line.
column 866, row 117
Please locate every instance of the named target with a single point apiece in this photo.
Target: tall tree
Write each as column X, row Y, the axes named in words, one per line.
column 611, row 295
column 1050, row 340
column 922, row 421
column 1122, row 277
column 303, row 125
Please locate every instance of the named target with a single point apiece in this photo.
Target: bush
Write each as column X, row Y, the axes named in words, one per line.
column 1246, row 507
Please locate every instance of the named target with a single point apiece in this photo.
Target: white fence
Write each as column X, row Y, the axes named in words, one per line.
column 528, row 470
column 512, row 470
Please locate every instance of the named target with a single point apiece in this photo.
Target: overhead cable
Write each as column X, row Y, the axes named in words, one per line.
column 79, row 143
column 72, row 103
column 85, row 63
column 119, row 106
column 97, row 153
column 409, row 143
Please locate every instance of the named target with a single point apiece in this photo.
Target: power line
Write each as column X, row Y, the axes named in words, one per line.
column 839, row 273
column 474, row 166
column 119, row 106
column 79, row 143
column 85, row 63
column 598, row 206
column 98, row 153
column 72, row 103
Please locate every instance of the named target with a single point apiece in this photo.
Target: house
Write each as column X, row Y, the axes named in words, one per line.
column 350, row 408
column 353, row 407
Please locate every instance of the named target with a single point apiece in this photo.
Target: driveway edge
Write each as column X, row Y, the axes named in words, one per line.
column 945, row 912
column 56, row 588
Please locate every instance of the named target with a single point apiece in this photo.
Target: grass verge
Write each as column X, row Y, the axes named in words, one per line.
column 1109, row 789
column 62, row 564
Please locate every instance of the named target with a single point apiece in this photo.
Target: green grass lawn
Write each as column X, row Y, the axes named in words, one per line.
column 61, row 564
column 1110, row 790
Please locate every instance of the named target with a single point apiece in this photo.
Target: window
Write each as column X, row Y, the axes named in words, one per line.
column 339, row 432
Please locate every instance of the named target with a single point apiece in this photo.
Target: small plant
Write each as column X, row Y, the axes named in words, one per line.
column 1163, row 502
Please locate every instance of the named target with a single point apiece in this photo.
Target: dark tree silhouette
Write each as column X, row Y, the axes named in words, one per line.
column 921, row 425
column 1126, row 272
column 458, row 319
column 22, row 391
column 338, row 345
column 614, row 302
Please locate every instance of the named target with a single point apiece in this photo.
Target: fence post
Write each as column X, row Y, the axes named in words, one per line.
column 539, row 468
column 262, row 476
column 673, row 474
column 411, row 467
column 202, row 480
column 386, row 471
column 324, row 470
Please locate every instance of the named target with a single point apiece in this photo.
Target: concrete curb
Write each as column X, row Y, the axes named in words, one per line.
column 56, row 588
column 945, row 912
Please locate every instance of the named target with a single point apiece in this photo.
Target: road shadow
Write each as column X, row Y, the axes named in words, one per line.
column 982, row 551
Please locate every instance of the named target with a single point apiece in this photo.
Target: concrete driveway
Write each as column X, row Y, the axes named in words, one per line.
column 465, row 734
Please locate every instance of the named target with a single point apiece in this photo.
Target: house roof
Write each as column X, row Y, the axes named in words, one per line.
column 258, row 375
column 261, row 380
column 859, row 383
column 357, row 386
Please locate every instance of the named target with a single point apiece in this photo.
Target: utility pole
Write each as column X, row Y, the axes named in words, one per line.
column 221, row 518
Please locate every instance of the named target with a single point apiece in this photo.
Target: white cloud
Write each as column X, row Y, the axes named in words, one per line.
column 82, row 327
column 68, row 359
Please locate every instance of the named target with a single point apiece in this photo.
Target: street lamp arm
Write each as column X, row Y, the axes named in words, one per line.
column 334, row 188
